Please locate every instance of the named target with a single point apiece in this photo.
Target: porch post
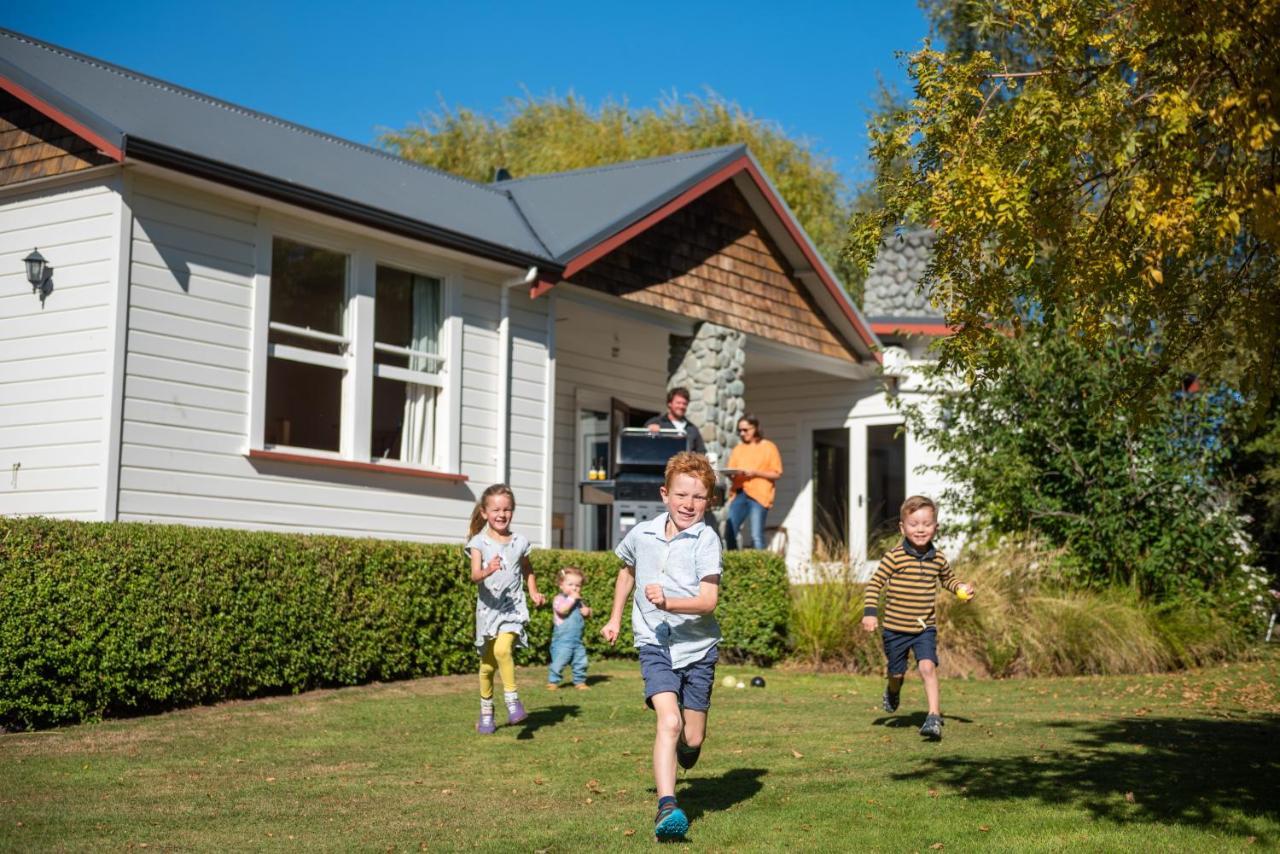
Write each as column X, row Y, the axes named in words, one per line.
column 710, row 365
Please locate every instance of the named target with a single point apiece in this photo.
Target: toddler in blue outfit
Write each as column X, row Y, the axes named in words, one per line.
column 569, row 613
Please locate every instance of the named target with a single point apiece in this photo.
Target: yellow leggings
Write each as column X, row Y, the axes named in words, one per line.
column 496, row 655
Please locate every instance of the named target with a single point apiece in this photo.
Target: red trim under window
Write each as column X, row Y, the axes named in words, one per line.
column 308, row 459
column 891, row 328
column 52, row 112
column 742, row 164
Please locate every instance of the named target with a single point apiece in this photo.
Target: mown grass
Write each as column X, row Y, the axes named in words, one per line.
column 1178, row 762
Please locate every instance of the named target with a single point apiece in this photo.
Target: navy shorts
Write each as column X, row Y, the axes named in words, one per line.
column 923, row 644
column 692, row 685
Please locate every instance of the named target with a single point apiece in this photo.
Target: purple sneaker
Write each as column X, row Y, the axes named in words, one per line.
column 516, row 712
column 486, row 726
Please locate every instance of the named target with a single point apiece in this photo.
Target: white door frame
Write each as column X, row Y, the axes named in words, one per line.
column 594, row 401
column 858, row 482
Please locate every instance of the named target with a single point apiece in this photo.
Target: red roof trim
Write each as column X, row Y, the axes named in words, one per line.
column 922, row 328
column 385, row 468
column 22, row 94
column 833, row 287
column 742, row 164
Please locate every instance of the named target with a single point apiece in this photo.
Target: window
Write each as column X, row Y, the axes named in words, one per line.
column 306, row 348
column 356, row 356
column 406, row 366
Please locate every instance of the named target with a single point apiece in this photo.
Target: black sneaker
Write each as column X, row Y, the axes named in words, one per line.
column 932, row 727
column 687, row 756
column 890, row 700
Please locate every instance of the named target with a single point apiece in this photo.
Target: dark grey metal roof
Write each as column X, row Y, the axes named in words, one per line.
column 157, row 121
column 572, row 211
column 893, row 285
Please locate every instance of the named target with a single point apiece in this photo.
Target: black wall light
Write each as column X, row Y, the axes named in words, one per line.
column 39, row 274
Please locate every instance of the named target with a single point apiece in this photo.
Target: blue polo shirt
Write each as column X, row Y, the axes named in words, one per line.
column 679, row 565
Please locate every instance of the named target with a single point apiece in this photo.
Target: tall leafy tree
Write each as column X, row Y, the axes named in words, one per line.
column 1036, row 448
column 553, row 134
column 1110, row 164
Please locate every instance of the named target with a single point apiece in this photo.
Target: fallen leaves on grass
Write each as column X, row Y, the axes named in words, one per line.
column 797, row 754
column 630, row 831
column 937, row 846
column 933, row 793
column 1129, row 798
column 985, row 828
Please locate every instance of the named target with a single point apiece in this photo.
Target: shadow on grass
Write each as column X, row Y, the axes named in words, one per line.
column 597, row 679
column 1188, row 770
column 540, row 718
column 700, row 795
column 915, row 719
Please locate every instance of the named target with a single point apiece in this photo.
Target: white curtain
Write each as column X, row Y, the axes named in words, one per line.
column 418, row 435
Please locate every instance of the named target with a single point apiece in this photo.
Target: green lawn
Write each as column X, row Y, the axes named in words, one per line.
column 1185, row 762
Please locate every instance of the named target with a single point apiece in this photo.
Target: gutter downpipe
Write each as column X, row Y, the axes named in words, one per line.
column 504, row 369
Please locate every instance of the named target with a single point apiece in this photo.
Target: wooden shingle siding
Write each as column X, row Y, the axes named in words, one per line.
column 32, row 146
column 714, row 261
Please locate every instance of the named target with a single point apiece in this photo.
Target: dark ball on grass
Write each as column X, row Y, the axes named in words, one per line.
column 757, row 681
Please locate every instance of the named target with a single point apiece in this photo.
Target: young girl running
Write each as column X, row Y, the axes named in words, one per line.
column 499, row 561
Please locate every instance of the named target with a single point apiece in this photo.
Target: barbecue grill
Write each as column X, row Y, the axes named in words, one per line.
column 639, row 463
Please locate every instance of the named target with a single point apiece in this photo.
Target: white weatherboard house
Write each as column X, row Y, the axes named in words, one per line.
column 250, row 324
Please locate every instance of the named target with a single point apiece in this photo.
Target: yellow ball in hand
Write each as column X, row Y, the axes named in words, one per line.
column 964, row 594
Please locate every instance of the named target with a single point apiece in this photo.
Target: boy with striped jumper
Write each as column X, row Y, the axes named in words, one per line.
column 909, row 575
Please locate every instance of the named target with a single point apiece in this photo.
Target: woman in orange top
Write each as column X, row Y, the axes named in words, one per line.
column 758, row 465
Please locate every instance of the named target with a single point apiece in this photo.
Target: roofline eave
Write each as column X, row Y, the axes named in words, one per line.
column 137, row 148
column 58, row 108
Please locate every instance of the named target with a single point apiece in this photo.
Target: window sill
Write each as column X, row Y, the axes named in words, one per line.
column 334, row 462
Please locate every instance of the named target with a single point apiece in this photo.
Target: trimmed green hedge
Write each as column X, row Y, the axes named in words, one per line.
column 100, row 619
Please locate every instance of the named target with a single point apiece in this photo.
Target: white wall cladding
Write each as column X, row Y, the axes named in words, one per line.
column 55, row 358
column 791, row 405
column 187, row 386
column 586, row 368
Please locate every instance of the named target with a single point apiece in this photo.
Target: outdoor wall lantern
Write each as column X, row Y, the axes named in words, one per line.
column 38, row 273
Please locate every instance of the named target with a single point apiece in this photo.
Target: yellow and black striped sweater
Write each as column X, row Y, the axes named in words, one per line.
column 909, row 581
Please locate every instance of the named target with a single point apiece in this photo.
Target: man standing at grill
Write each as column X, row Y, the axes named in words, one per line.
column 673, row 419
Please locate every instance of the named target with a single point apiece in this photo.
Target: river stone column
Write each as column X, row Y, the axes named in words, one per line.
column 710, row 365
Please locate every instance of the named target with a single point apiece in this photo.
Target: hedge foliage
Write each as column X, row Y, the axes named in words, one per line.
column 101, row 619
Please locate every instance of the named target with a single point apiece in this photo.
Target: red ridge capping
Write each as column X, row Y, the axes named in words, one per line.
column 742, row 164
column 51, row 112
column 922, row 328
column 308, row 459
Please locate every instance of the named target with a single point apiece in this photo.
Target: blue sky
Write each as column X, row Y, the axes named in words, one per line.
column 352, row 68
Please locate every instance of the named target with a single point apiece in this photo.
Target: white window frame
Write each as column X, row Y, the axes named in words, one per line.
column 356, row 360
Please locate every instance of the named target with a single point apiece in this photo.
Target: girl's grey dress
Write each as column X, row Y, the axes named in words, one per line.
column 500, row 605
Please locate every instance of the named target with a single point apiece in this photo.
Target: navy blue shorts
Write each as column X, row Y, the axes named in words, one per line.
column 923, row 644
column 692, row 685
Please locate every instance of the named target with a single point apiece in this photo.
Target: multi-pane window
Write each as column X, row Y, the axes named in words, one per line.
column 406, row 366
column 306, row 347
column 312, row 349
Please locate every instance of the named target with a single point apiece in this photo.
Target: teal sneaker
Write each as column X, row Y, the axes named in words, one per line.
column 670, row 823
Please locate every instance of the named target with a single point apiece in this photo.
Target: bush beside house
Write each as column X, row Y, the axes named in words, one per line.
column 100, row 619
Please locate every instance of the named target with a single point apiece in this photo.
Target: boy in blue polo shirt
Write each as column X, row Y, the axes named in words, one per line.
column 673, row 564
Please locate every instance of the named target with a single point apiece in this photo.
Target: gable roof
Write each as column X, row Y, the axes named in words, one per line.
column 557, row 222
column 131, row 114
column 572, row 211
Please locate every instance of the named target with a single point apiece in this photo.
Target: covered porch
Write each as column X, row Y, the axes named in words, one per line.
column 725, row 296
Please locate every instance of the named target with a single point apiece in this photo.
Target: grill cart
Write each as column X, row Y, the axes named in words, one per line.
column 631, row 488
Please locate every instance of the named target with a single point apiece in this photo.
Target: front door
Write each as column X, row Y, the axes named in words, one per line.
column 878, row 462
